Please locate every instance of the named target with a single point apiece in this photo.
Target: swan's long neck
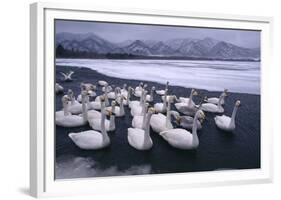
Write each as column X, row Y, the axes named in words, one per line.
column 105, row 96
column 103, row 131
column 165, row 101
column 84, row 108
column 195, row 139
column 122, row 111
column 112, row 119
column 151, row 95
column 144, row 117
column 232, row 121
column 147, row 127
column 168, row 116
column 220, row 102
column 128, row 96
column 142, row 97
column 65, row 108
column 190, row 99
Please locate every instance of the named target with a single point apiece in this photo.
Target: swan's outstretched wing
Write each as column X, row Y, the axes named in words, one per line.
column 70, row 74
column 64, row 75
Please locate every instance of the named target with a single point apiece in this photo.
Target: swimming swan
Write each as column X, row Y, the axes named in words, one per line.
column 181, row 138
column 73, row 120
column 227, row 123
column 91, row 140
column 162, row 92
column 58, row 88
column 96, row 124
column 209, row 107
column 215, row 100
column 161, row 107
column 160, row 122
column 140, row 138
column 139, row 120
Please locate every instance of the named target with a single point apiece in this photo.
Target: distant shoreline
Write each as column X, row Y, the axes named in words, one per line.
column 105, row 57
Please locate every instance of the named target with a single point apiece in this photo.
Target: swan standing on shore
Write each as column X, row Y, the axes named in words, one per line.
column 227, row 123
column 67, row 76
column 215, row 100
column 162, row 92
column 92, row 140
column 73, row 120
column 140, row 139
column 209, row 107
column 58, row 88
column 181, row 138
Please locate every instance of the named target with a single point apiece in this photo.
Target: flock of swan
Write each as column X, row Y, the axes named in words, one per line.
column 147, row 114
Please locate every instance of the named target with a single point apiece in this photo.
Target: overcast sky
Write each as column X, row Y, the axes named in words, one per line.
column 116, row 32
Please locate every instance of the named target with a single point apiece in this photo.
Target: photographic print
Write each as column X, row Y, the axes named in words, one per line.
column 137, row 99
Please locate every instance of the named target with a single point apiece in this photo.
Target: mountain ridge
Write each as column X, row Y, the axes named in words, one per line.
column 206, row 48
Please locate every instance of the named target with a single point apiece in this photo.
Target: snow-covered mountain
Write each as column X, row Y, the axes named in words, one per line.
column 206, row 48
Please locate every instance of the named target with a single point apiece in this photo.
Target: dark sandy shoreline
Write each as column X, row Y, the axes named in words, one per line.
column 217, row 149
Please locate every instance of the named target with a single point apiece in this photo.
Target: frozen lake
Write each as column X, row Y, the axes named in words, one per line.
column 241, row 77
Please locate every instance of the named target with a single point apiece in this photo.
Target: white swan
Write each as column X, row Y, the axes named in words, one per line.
column 74, row 120
column 139, row 120
column 137, row 103
column 126, row 101
column 71, row 96
column 189, row 100
column 160, row 122
column 209, row 107
column 162, row 92
column 138, row 92
column 115, row 94
column 139, row 88
column 140, row 139
column 124, row 91
column 186, row 121
column 227, row 123
column 119, row 111
column 138, row 109
column 67, row 76
column 181, row 138
column 58, row 88
column 64, row 112
column 187, row 106
column 96, row 124
column 133, row 104
column 102, row 83
column 215, row 100
column 91, row 140
column 161, row 107
column 149, row 97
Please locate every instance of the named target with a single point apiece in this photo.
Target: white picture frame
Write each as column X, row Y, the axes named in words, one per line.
column 42, row 183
